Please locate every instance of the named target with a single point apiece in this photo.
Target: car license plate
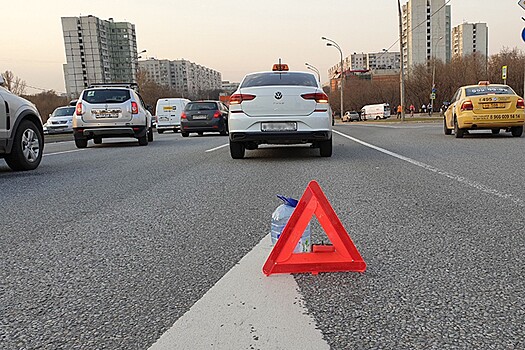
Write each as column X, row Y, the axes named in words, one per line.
column 279, row 126
column 100, row 113
column 199, row 117
column 493, row 105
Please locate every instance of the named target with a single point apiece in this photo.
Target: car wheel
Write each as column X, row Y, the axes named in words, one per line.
column 237, row 150
column 160, row 131
column 150, row 134
column 81, row 142
column 445, row 128
column 325, row 148
column 495, row 131
column 185, row 134
column 28, row 145
column 517, row 131
column 457, row 131
column 143, row 140
column 97, row 140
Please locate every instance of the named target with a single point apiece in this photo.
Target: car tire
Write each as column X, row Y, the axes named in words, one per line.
column 150, row 135
column 517, row 131
column 325, row 148
column 143, row 140
column 237, row 150
column 458, row 133
column 185, row 134
column 495, row 131
column 28, row 146
column 97, row 140
column 81, row 142
column 445, row 128
column 160, row 131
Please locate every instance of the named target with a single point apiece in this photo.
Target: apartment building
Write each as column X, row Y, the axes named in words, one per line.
column 468, row 38
column 98, row 51
column 426, row 31
column 187, row 78
column 384, row 62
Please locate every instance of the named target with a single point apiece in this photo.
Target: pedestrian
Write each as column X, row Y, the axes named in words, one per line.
column 423, row 108
column 399, row 109
column 412, row 109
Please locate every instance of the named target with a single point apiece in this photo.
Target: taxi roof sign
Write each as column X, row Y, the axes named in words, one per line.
column 280, row 67
column 484, row 82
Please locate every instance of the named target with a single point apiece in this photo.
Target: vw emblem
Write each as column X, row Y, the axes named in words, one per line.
column 278, row 95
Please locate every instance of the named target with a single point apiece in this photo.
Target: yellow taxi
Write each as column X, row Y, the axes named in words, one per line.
column 485, row 106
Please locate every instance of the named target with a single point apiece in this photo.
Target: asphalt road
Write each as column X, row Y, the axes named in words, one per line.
column 107, row 247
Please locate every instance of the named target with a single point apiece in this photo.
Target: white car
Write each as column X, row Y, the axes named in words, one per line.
column 111, row 110
column 60, row 121
column 279, row 107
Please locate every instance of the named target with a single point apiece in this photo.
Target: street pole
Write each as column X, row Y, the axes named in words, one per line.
column 402, row 74
column 433, row 90
column 341, row 83
column 313, row 68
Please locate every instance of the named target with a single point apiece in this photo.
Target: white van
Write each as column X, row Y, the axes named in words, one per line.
column 168, row 113
column 375, row 112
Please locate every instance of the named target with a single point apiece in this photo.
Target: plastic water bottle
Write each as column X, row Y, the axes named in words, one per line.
column 280, row 218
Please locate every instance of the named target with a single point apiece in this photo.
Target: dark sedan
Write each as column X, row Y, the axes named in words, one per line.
column 204, row 116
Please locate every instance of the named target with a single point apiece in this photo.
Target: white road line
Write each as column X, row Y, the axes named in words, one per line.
column 246, row 310
column 70, row 151
column 216, row 148
column 395, row 126
column 451, row 176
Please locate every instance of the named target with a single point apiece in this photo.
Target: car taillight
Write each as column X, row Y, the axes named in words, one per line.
column 520, row 103
column 183, row 115
column 134, row 107
column 319, row 97
column 467, row 106
column 79, row 108
column 217, row 114
column 236, row 99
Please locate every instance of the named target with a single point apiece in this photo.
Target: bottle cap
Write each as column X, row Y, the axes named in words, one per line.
column 288, row 200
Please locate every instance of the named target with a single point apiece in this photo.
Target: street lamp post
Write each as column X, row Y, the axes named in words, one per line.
column 334, row 44
column 402, row 63
column 433, row 91
column 313, row 68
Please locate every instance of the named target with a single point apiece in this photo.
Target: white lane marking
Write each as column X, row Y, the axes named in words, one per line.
column 246, row 310
column 398, row 126
column 451, row 176
column 55, row 153
column 216, row 148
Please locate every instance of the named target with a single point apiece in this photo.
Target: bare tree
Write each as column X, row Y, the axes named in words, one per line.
column 13, row 83
column 46, row 102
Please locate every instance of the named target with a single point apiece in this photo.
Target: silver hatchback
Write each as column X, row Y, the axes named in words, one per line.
column 111, row 110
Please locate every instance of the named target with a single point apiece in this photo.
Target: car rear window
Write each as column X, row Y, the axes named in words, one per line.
column 485, row 90
column 201, row 106
column 280, row 78
column 106, row 95
column 66, row 111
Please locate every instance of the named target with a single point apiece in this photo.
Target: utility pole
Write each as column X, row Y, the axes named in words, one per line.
column 402, row 74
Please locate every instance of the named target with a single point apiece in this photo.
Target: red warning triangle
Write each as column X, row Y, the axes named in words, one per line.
column 341, row 256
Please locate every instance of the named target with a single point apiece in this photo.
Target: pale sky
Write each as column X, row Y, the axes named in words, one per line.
column 232, row 37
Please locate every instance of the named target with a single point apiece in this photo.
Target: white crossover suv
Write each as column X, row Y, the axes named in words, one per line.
column 21, row 132
column 279, row 107
column 111, row 110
